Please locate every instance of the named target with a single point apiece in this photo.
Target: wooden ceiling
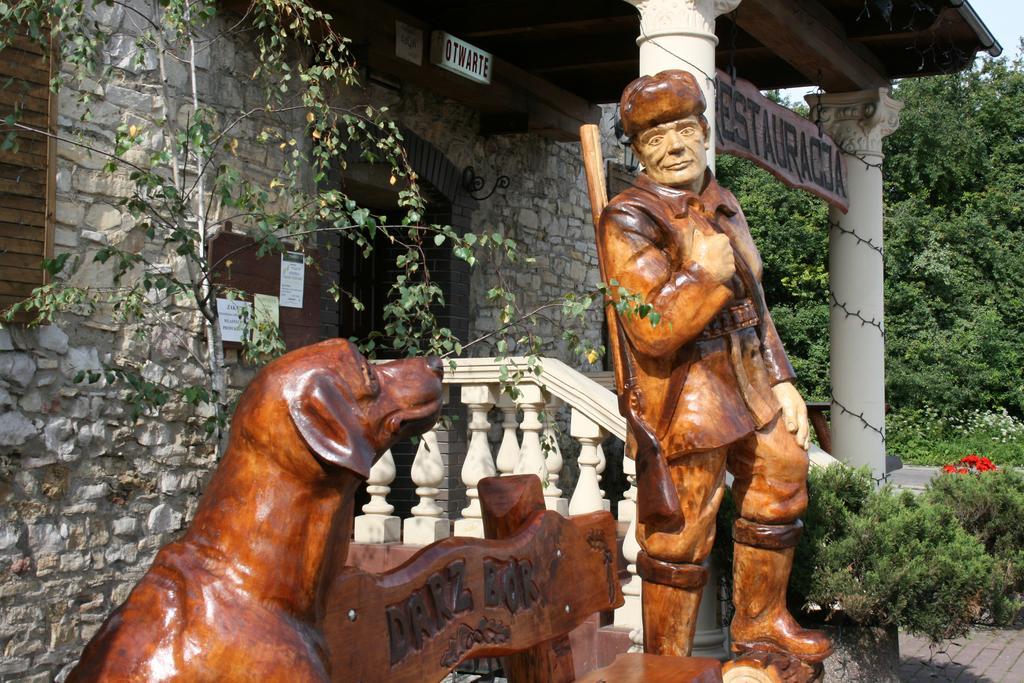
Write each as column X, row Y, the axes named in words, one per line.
column 588, row 47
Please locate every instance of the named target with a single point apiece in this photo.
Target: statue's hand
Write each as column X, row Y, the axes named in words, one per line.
column 794, row 412
column 714, row 254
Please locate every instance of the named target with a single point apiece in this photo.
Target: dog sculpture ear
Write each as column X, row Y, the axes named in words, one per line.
column 324, row 418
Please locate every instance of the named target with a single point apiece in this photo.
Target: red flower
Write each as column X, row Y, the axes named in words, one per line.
column 971, row 463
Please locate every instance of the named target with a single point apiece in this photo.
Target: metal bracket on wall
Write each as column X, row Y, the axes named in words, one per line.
column 473, row 183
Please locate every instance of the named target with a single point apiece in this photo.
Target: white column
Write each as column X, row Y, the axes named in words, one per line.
column 377, row 524
column 631, row 612
column 508, row 451
column 532, row 400
column 709, row 640
column 553, row 460
column 428, row 523
column 602, row 463
column 587, row 496
column 479, row 464
column 858, row 121
column 680, row 34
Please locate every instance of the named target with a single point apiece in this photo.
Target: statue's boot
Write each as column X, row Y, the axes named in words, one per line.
column 762, row 560
column 671, row 598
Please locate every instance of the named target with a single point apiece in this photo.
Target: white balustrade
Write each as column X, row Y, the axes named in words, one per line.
column 478, row 464
column 377, row 524
column 428, row 523
column 553, row 460
column 508, row 451
column 529, row 447
column 587, row 496
column 631, row 613
column 602, row 462
column 532, row 400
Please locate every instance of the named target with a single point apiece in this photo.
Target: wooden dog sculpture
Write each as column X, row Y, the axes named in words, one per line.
column 238, row 597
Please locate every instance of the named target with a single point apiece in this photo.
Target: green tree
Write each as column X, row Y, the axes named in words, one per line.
column 790, row 228
column 953, row 236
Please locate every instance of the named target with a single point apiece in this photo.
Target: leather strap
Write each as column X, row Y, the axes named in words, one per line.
column 769, row 536
column 677, row 575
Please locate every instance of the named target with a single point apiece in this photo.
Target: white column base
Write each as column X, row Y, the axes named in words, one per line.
column 559, row 505
column 467, row 526
column 424, row 530
column 631, row 613
column 378, row 529
column 709, row 640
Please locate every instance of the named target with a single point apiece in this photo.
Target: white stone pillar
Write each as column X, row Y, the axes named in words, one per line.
column 587, row 495
column 508, row 451
column 553, row 460
column 479, row 398
column 532, row 400
column 680, row 34
column 631, row 612
column 428, row 522
column 377, row 524
column 858, row 121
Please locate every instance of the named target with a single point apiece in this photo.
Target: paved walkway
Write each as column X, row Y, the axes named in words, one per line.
column 913, row 477
column 984, row 656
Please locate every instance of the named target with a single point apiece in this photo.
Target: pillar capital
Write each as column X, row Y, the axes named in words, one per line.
column 857, row 120
column 680, row 17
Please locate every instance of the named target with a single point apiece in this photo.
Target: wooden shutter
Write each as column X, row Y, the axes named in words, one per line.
column 27, row 174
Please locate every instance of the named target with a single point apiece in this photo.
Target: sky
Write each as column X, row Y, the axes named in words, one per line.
column 1005, row 19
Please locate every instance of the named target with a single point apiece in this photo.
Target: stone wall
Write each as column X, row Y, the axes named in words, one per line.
column 88, row 495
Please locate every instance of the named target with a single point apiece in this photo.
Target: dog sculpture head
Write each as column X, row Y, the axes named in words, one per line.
column 328, row 400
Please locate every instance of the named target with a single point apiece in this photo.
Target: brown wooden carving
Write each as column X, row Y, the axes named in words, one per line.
column 708, row 389
column 238, row 597
column 465, row 598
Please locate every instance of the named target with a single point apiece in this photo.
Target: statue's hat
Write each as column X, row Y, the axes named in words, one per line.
column 666, row 96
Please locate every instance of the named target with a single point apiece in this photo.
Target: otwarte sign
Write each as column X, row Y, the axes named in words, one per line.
column 458, row 56
column 792, row 148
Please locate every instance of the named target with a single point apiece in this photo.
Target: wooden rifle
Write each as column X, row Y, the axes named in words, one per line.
column 658, row 501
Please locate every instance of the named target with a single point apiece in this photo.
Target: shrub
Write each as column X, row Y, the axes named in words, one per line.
column 906, row 562
column 931, row 564
column 990, row 506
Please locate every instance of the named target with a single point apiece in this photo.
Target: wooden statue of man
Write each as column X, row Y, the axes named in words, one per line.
column 715, row 384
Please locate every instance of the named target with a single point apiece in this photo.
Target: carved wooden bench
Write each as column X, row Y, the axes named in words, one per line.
column 516, row 594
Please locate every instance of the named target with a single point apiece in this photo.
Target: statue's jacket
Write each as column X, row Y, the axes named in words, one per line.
column 706, row 370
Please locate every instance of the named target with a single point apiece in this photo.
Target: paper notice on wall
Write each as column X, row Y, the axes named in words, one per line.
column 265, row 308
column 293, row 277
column 229, row 315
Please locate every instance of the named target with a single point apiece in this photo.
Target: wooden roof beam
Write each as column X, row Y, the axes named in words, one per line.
column 813, row 41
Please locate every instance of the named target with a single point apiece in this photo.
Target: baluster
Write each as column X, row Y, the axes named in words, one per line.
column 552, row 494
column 587, row 496
column 428, row 523
column 532, row 400
column 602, row 462
column 479, row 463
column 631, row 613
column 508, row 451
column 377, row 524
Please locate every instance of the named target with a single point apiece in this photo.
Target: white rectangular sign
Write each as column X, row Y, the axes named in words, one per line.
column 266, row 307
column 408, row 43
column 229, row 316
column 293, row 277
column 458, row 56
